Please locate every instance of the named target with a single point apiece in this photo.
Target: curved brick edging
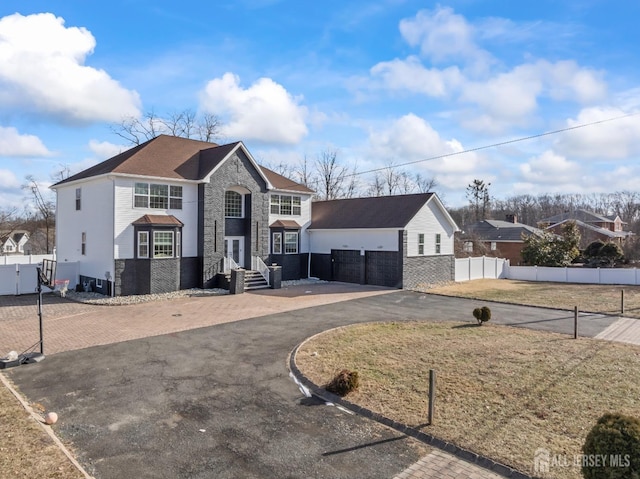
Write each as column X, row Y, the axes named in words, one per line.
column 464, row 454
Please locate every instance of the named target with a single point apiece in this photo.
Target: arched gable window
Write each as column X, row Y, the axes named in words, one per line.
column 233, row 204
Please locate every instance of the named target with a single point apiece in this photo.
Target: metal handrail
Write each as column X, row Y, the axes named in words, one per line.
column 258, row 265
column 229, row 264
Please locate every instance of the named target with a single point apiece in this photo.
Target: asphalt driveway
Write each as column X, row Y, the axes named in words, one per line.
column 218, row 401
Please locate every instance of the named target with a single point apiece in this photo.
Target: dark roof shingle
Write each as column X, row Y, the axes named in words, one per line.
column 373, row 212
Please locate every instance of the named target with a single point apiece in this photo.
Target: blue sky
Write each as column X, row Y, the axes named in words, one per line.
column 383, row 83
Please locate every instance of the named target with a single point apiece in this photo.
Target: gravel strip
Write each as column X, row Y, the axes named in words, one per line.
column 97, row 298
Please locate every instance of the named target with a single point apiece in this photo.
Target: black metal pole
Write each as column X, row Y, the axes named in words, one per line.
column 575, row 322
column 40, row 309
column 621, row 302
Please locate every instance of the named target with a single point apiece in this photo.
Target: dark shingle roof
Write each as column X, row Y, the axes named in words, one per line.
column 158, row 220
column 580, row 215
column 497, row 230
column 373, row 212
column 280, row 182
column 175, row 157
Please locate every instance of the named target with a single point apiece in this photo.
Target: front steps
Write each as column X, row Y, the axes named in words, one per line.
column 254, row 280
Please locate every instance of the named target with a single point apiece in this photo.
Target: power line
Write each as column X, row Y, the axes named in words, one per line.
column 495, row 145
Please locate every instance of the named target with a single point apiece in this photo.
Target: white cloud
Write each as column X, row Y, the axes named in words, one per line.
column 443, row 35
column 411, row 138
column 43, row 71
column 265, row 111
column 410, row 75
column 550, row 169
column 8, row 180
column 14, row 144
column 610, row 140
column 104, row 149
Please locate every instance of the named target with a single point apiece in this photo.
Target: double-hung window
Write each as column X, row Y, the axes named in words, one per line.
column 438, row 242
column 233, row 204
column 277, row 243
column 290, row 242
column 163, row 244
column 78, row 198
column 286, row 205
column 143, row 244
column 151, row 195
column 420, row 243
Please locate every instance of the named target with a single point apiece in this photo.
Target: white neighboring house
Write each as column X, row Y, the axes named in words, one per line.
column 400, row 241
column 172, row 213
column 12, row 242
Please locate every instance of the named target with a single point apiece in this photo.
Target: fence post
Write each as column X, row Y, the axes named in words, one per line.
column 575, row 322
column 432, row 394
column 622, row 302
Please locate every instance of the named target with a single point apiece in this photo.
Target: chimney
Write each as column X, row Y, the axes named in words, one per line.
column 511, row 218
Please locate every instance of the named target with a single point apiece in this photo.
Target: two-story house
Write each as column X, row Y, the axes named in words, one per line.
column 175, row 213
column 592, row 226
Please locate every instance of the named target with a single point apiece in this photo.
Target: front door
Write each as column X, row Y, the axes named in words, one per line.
column 234, row 249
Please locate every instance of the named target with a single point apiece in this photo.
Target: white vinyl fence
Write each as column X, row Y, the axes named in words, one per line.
column 23, row 279
column 497, row 268
column 25, row 258
column 482, row 267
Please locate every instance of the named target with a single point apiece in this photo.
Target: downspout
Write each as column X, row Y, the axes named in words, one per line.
column 113, row 237
column 309, row 254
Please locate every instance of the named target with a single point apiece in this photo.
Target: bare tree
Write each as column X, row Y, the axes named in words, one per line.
column 62, row 173
column 185, row 124
column 425, row 184
column 305, row 174
column 479, row 199
column 376, row 187
column 331, row 175
column 44, row 207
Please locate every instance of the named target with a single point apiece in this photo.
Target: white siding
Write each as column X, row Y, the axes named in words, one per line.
column 127, row 214
column 323, row 241
column 303, row 220
column 95, row 218
column 430, row 220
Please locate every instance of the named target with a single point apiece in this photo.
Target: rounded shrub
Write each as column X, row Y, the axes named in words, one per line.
column 343, row 383
column 482, row 314
column 615, row 440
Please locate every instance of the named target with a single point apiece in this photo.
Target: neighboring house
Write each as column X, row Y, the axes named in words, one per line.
column 504, row 239
column 400, row 241
column 592, row 226
column 12, row 242
column 175, row 213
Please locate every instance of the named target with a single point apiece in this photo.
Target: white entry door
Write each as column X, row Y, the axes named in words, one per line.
column 234, row 249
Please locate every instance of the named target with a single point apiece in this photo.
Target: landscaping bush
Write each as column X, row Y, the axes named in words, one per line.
column 482, row 314
column 616, row 439
column 343, row 383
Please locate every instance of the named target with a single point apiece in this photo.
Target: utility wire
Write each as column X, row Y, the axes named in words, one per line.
column 495, row 145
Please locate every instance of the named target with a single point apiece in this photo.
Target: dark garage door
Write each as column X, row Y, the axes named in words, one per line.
column 345, row 265
column 383, row 268
column 380, row 268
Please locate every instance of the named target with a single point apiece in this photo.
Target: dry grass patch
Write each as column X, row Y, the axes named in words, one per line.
column 501, row 391
column 26, row 451
column 588, row 297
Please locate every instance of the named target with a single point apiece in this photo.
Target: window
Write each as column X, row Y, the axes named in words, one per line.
column 290, row 243
column 232, row 204
column 178, row 243
column 286, row 205
column 78, row 198
column 83, row 247
column 147, row 195
column 141, row 195
column 8, row 248
column 421, row 243
column 468, row 247
column 159, row 196
column 175, row 197
column 275, row 204
column 277, row 243
column 438, row 242
column 143, row 244
column 493, row 246
column 163, row 244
